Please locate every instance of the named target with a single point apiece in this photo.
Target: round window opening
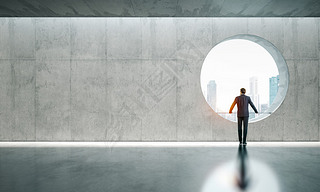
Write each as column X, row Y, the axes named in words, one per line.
column 244, row 61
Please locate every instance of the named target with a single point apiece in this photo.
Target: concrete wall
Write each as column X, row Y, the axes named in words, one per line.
column 137, row 79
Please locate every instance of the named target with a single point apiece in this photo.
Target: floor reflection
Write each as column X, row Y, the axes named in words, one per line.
column 242, row 174
column 243, row 179
column 256, row 168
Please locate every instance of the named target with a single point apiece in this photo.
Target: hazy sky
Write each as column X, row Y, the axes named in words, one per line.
column 231, row 64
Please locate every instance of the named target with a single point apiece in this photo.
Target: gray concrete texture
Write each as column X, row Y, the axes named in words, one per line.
column 160, row 8
column 138, row 79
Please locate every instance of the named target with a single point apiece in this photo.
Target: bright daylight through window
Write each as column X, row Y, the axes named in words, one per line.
column 242, row 63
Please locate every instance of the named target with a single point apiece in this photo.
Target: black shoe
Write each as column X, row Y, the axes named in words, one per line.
column 240, row 143
column 244, row 144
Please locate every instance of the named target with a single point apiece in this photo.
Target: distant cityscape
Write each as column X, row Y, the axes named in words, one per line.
column 253, row 94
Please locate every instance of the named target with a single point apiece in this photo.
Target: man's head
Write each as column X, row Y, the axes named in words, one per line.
column 243, row 90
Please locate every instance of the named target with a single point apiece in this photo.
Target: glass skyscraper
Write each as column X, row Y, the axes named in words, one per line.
column 254, row 95
column 212, row 94
column 273, row 88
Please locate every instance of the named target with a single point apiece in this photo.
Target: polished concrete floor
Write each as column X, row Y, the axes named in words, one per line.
column 160, row 168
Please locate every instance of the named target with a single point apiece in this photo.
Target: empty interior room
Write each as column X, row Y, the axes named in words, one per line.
column 162, row 95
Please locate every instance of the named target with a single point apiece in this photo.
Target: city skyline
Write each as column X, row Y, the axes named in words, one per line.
column 231, row 63
column 252, row 92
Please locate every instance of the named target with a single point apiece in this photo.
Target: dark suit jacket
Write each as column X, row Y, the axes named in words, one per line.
column 242, row 102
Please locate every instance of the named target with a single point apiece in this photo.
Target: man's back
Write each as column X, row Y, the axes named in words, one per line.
column 242, row 102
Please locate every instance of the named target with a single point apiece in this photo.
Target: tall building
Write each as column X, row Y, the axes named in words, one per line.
column 212, row 94
column 273, row 88
column 253, row 85
column 254, row 95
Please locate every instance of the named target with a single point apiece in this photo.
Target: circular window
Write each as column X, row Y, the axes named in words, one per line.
column 244, row 61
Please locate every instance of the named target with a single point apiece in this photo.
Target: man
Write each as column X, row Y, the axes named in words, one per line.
column 242, row 102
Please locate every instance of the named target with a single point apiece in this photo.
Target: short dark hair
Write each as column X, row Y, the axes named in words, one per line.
column 243, row 90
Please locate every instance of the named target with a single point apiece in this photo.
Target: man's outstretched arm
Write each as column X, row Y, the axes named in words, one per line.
column 232, row 106
column 252, row 105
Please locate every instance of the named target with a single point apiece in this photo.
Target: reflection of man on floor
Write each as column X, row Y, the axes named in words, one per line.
column 242, row 102
column 243, row 180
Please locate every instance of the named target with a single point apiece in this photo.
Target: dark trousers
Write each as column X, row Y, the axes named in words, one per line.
column 243, row 120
